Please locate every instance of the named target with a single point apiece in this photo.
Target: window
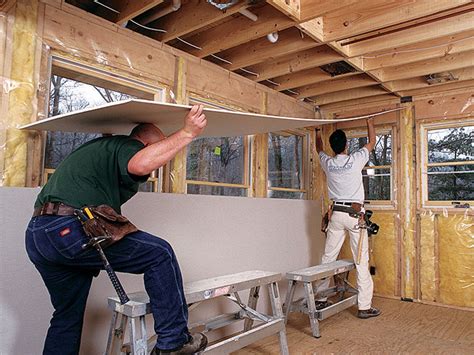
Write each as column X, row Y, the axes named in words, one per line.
column 72, row 90
column 286, row 157
column 448, row 163
column 377, row 174
column 217, row 165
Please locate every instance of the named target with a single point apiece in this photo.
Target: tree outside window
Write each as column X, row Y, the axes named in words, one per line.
column 377, row 174
column 450, row 164
column 285, row 166
column 219, row 160
column 67, row 95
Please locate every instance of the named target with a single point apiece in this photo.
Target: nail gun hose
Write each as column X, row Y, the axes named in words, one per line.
column 113, row 277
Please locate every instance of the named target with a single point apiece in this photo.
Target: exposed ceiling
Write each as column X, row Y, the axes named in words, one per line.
column 325, row 52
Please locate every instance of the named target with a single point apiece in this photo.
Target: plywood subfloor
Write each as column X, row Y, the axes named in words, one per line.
column 403, row 327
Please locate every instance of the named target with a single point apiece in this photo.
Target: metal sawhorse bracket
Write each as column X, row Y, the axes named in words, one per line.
column 340, row 270
column 256, row 325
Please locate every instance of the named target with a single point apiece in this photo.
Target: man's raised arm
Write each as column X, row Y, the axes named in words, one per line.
column 158, row 154
column 371, row 131
column 319, row 141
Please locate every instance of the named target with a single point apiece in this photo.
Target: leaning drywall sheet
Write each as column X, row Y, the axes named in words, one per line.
column 211, row 236
column 121, row 117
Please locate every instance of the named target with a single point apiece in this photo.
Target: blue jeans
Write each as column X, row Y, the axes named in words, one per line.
column 54, row 245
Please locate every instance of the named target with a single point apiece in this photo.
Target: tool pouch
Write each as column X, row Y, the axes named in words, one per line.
column 109, row 224
column 326, row 219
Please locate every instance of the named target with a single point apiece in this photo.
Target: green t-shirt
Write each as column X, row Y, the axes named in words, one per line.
column 94, row 174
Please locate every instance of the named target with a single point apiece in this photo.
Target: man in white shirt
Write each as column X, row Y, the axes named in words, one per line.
column 346, row 190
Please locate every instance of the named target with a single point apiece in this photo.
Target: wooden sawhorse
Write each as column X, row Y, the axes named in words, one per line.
column 307, row 304
column 133, row 313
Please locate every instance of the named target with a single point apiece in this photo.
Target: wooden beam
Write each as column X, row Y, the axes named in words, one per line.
column 302, row 10
column 307, row 59
column 301, row 78
column 348, row 95
column 407, row 198
column 313, row 28
column 260, row 50
column 424, row 67
column 439, row 88
column 131, row 9
column 366, row 16
column 326, row 87
column 421, row 82
column 290, row 8
column 192, row 16
column 6, row 5
column 430, row 49
column 362, row 103
column 309, row 9
column 238, row 31
column 441, row 28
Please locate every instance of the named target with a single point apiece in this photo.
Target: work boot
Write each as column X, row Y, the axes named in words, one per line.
column 195, row 345
column 367, row 313
column 322, row 304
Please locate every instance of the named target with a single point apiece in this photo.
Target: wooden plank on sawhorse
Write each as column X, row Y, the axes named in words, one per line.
column 227, row 286
column 307, row 305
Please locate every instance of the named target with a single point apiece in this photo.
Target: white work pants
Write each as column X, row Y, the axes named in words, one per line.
column 341, row 222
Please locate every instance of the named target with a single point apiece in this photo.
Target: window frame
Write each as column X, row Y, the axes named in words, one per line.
column 381, row 130
column 247, row 142
column 305, row 164
column 78, row 71
column 423, row 128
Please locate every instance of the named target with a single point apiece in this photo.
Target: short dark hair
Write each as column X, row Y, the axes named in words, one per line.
column 138, row 130
column 338, row 141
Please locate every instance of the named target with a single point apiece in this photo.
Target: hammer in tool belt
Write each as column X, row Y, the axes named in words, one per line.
column 85, row 216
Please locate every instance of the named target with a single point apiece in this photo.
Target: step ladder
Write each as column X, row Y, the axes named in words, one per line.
column 309, row 278
column 256, row 325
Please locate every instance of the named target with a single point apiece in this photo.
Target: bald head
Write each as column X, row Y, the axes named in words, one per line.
column 147, row 133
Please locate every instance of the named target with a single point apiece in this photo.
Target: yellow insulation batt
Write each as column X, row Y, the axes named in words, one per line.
column 383, row 252
column 428, row 258
column 22, row 98
column 456, row 259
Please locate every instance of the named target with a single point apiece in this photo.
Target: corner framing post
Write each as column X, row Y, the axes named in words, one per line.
column 22, row 99
column 407, row 198
column 260, row 158
column 177, row 172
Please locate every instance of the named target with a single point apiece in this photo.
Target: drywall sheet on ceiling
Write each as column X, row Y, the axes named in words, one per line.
column 121, row 117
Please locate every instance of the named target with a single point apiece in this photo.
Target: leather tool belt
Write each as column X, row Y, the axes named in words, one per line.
column 54, row 209
column 354, row 209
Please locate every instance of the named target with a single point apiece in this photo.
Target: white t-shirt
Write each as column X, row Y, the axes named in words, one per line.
column 344, row 175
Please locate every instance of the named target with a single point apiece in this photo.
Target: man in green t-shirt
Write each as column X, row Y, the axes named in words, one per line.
column 108, row 170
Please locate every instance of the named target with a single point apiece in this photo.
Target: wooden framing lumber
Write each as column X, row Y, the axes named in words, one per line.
column 407, row 196
column 348, row 95
column 192, row 16
column 354, row 81
column 436, row 48
column 421, row 82
column 301, row 78
column 301, row 10
column 424, row 67
column 440, row 88
column 307, row 59
column 238, row 31
column 261, row 49
column 366, row 16
column 444, row 27
column 131, row 9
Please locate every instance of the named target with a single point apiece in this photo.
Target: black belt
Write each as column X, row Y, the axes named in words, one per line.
column 346, row 203
column 345, row 209
column 54, row 209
